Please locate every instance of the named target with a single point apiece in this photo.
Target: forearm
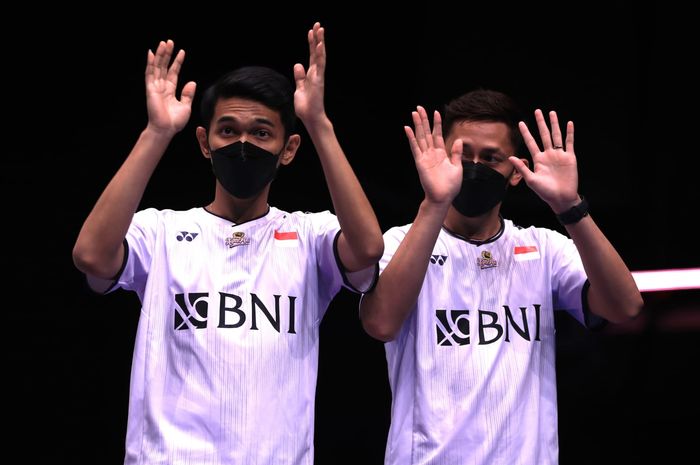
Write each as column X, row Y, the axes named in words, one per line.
column 360, row 244
column 613, row 293
column 98, row 249
column 384, row 310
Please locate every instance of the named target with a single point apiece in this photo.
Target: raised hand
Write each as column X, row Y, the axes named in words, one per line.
column 166, row 113
column 308, row 97
column 555, row 175
column 440, row 174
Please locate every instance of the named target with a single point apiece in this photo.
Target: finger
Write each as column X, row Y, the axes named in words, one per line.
column 556, row 131
column 321, row 33
column 419, row 134
column 522, row 168
column 158, row 63
column 317, row 32
column 544, row 131
column 311, row 37
column 150, row 66
column 188, row 93
column 530, row 142
column 321, row 51
column 426, row 126
column 174, row 70
column 437, row 131
column 169, row 47
column 299, row 76
column 570, row 136
column 456, row 152
column 412, row 142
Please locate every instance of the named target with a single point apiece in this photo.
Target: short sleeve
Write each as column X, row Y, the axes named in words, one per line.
column 332, row 273
column 568, row 277
column 138, row 249
column 139, row 244
column 392, row 240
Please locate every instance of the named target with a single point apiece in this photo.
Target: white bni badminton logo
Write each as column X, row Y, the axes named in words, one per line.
column 453, row 327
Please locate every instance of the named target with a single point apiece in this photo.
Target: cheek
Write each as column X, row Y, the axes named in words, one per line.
column 215, row 141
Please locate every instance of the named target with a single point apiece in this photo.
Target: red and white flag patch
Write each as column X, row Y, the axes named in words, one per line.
column 286, row 239
column 526, row 252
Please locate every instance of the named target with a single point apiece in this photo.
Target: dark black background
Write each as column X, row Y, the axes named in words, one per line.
column 74, row 93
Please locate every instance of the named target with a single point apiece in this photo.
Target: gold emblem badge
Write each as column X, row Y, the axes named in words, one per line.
column 486, row 260
column 236, row 239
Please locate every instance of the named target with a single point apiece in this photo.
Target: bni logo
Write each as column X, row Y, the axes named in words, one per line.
column 453, row 327
column 192, row 310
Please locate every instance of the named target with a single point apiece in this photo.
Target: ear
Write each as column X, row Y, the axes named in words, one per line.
column 290, row 149
column 516, row 177
column 203, row 141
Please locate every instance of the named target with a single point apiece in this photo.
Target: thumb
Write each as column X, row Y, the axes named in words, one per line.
column 456, row 152
column 522, row 168
column 188, row 93
column 299, row 75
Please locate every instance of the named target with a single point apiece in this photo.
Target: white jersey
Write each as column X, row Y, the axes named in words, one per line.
column 225, row 361
column 472, row 371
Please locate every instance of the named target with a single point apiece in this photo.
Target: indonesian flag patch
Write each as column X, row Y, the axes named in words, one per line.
column 526, row 252
column 286, row 239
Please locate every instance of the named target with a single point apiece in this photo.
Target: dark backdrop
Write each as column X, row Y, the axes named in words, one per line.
column 74, row 83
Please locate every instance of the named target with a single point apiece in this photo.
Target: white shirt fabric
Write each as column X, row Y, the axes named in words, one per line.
column 226, row 354
column 472, row 370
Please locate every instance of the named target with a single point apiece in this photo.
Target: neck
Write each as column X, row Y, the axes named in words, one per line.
column 477, row 228
column 238, row 210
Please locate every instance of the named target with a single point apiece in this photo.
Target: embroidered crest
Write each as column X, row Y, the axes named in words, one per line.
column 486, row 260
column 236, row 239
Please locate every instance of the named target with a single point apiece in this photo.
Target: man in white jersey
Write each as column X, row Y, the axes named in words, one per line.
column 225, row 362
column 465, row 299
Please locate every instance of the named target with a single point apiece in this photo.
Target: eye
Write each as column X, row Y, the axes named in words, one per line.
column 262, row 134
column 226, row 131
column 467, row 152
column 492, row 158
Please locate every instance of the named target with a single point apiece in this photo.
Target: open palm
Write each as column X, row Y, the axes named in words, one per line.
column 440, row 174
column 165, row 112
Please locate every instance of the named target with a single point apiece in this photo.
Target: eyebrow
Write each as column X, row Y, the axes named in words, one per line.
column 259, row 119
column 483, row 149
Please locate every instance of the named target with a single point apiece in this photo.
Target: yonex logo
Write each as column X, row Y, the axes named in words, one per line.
column 453, row 327
column 187, row 236
column 438, row 259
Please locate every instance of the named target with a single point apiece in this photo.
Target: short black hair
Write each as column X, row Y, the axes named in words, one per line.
column 257, row 83
column 485, row 105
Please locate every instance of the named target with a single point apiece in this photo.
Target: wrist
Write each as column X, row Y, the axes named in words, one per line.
column 433, row 207
column 317, row 124
column 575, row 213
column 158, row 133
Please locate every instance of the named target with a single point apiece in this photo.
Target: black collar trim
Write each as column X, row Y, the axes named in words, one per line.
column 493, row 238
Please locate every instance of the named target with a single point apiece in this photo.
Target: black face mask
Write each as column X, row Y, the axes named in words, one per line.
column 243, row 169
column 482, row 189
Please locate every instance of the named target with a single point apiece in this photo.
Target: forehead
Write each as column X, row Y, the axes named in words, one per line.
column 245, row 111
column 479, row 134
